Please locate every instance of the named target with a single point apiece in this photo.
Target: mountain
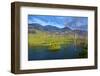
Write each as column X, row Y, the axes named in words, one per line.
column 65, row 29
column 80, row 32
column 35, row 26
column 48, row 28
column 53, row 29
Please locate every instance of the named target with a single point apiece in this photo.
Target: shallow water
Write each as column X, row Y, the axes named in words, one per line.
column 65, row 52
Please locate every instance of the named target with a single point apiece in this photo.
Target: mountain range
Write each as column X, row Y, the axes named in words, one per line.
column 53, row 29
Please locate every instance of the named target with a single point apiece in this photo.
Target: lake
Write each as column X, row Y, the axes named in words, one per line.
column 70, row 51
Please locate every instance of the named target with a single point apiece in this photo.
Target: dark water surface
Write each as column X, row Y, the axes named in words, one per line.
column 66, row 52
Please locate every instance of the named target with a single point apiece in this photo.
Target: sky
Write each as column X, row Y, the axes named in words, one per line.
column 60, row 21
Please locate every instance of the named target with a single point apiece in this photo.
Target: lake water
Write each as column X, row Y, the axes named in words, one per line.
column 66, row 52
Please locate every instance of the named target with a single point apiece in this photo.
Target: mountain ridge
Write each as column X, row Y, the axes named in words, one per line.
column 52, row 29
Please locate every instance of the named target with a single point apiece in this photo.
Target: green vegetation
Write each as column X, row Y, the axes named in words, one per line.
column 55, row 41
column 52, row 41
column 84, row 52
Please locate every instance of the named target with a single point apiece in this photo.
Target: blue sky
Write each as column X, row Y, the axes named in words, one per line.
column 60, row 21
